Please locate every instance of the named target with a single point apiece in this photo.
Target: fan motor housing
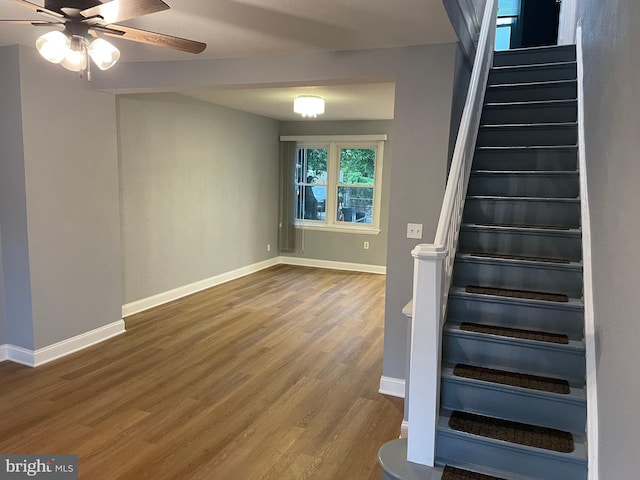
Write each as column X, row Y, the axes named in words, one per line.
column 58, row 5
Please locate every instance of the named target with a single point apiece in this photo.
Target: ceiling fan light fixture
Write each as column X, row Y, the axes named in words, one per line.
column 103, row 53
column 76, row 58
column 53, row 46
column 309, row 106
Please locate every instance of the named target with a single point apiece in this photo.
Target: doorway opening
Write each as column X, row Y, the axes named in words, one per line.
column 527, row 23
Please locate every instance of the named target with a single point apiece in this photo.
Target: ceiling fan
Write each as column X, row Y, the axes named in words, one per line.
column 85, row 21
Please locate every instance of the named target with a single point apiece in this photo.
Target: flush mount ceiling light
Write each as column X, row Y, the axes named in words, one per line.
column 309, row 106
column 86, row 21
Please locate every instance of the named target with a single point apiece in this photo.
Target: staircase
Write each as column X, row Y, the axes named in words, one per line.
column 513, row 402
column 512, row 378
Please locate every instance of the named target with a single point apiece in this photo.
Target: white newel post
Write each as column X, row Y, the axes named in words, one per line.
column 424, row 379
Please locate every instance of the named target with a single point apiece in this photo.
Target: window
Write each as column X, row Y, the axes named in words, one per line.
column 311, row 183
column 338, row 182
column 356, row 185
column 507, row 24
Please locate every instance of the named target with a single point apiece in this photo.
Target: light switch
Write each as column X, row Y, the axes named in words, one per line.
column 414, row 230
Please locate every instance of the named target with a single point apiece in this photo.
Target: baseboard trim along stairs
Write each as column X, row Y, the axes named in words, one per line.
column 513, row 396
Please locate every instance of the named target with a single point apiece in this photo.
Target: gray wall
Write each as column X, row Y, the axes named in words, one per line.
column 466, row 19
column 199, row 191
column 418, row 176
column 59, row 208
column 70, row 154
column 461, row 80
column 424, row 81
column 612, row 66
column 3, row 338
column 346, row 247
column 13, row 209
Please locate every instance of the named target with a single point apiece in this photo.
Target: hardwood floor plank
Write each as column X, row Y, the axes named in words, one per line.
column 270, row 376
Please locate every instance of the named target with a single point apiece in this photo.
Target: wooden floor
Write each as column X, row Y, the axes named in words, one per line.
column 272, row 376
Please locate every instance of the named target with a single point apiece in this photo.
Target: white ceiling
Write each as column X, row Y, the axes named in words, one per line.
column 372, row 101
column 250, row 28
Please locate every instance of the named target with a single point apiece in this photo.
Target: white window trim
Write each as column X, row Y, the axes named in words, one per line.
column 334, row 143
column 333, row 138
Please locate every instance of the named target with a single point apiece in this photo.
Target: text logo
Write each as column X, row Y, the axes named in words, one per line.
column 50, row 467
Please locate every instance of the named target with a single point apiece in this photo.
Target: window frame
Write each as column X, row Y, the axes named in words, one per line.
column 334, row 144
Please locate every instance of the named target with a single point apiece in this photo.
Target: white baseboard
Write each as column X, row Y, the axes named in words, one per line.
column 171, row 295
column 352, row 267
column 47, row 354
column 392, row 386
column 20, row 355
column 404, row 429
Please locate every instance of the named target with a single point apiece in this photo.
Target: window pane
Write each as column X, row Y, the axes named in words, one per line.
column 315, row 203
column 317, row 165
column 312, row 202
column 357, row 166
column 311, row 178
column 355, row 204
column 503, row 38
column 508, row 8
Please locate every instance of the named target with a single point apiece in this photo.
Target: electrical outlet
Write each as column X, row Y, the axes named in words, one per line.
column 366, row 245
column 414, row 230
column 268, row 247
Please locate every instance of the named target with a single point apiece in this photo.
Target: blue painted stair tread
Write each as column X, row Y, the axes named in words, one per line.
column 520, row 257
column 566, row 70
column 514, row 379
column 516, row 333
column 512, row 432
column 518, row 225
column 540, row 158
column 525, row 294
column 452, row 473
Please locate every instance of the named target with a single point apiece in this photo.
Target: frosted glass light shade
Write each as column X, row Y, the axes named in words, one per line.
column 53, row 46
column 76, row 60
column 103, row 54
column 308, row 105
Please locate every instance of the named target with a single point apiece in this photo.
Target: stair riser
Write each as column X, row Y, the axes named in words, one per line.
column 532, row 93
column 525, row 185
column 533, row 74
column 533, row 408
column 522, row 212
column 544, row 316
column 538, row 278
column 535, row 56
column 509, row 114
column 527, row 136
column 525, row 159
column 515, row 243
column 479, row 350
column 457, row 449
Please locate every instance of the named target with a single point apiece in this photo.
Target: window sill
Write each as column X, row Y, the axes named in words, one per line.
column 335, row 228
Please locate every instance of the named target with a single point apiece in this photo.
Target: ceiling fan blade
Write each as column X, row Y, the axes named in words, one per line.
column 120, row 10
column 36, row 23
column 151, row 38
column 38, row 8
